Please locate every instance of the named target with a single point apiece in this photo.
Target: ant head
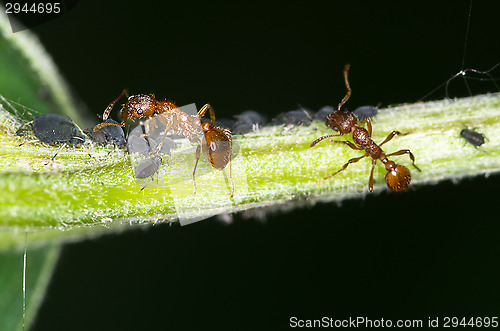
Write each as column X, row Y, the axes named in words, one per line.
column 341, row 121
column 140, row 105
column 398, row 177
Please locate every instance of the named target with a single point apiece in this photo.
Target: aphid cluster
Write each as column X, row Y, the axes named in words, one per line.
column 213, row 141
column 152, row 139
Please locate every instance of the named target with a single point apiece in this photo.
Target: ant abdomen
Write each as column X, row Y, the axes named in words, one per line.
column 217, row 146
column 397, row 178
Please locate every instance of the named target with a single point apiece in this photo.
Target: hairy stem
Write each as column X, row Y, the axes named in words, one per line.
column 273, row 166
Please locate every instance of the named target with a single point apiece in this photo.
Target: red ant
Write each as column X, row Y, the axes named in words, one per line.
column 398, row 177
column 217, row 145
column 217, row 142
column 139, row 105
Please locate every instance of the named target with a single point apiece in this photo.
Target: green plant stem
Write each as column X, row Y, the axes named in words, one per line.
column 274, row 166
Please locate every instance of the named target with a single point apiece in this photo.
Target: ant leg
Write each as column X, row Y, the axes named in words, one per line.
column 391, row 135
column 324, row 137
column 345, row 165
column 196, row 165
column 231, row 171
column 348, row 143
column 168, row 124
column 204, row 109
column 369, row 126
column 105, row 115
column 371, row 181
column 405, row 151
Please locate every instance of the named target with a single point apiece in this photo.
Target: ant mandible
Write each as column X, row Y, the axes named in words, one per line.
column 398, row 177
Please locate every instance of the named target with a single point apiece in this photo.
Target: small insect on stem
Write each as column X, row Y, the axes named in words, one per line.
column 398, row 177
column 53, row 129
column 473, row 137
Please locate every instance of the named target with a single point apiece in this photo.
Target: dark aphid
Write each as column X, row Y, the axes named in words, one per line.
column 246, row 121
column 53, row 129
column 138, row 143
column 323, row 113
column 296, row 117
column 225, row 123
column 147, row 168
column 110, row 134
column 365, row 112
column 473, row 137
column 398, row 177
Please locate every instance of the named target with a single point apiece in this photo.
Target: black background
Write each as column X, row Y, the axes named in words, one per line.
column 432, row 251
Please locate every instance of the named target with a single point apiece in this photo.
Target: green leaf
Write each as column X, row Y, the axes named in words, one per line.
column 29, row 76
column 40, row 263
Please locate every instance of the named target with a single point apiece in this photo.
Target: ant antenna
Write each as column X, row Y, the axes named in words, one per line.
column 466, row 35
column 323, row 138
column 348, row 94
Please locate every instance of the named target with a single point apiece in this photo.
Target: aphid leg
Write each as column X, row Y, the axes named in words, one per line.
column 356, row 159
column 405, row 151
column 168, row 124
column 371, row 181
column 22, row 131
column 348, row 143
column 204, row 109
column 52, row 159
